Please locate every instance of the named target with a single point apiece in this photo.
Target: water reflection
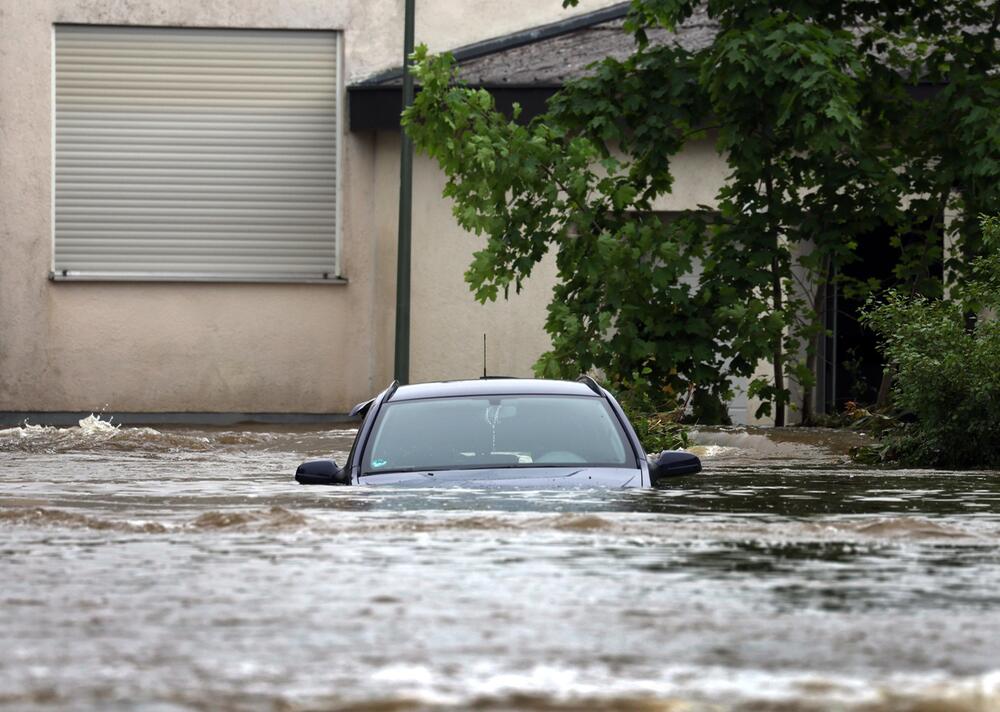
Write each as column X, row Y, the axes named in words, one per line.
column 182, row 569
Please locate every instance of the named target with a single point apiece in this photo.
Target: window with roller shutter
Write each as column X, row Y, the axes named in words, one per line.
column 196, row 154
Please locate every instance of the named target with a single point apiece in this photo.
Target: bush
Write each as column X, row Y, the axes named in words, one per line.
column 655, row 414
column 945, row 356
column 658, row 431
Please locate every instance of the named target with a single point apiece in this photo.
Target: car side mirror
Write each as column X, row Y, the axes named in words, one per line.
column 321, row 472
column 672, row 463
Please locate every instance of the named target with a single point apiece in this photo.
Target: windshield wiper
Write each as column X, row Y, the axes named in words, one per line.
column 390, row 470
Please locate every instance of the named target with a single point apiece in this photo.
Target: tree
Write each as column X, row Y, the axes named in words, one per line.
column 811, row 105
column 945, row 352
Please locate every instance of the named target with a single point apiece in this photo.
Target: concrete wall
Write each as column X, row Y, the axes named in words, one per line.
column 238, row 347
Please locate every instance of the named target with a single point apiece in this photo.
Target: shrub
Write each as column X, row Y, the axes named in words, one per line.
column 655, row 414
column 945, row 356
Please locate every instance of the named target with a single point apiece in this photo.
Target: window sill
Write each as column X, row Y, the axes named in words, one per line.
column 73, row 276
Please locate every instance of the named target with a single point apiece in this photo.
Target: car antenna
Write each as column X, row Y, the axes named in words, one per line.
column 484, row 355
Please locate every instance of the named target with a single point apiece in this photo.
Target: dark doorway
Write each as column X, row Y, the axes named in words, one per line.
column 853, row 364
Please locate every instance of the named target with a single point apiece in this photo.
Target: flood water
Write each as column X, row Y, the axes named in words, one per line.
column 185, row 570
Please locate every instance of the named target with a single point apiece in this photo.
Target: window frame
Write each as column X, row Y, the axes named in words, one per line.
column 335, row 276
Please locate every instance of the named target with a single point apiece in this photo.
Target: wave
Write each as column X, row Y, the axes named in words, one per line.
column 660, row 528
column 262, row 519
column 95, row 433
column 906, row 527
column 43, row 517
column 273, row 518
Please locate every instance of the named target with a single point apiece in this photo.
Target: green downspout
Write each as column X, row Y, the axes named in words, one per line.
column 402, row 353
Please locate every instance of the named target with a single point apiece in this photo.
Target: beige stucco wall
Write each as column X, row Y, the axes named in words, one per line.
column 447, row 323
column 158, row 347
column 230, row 347
column 442, row 24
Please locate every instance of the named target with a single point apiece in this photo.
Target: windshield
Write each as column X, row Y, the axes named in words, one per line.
column 509, row 431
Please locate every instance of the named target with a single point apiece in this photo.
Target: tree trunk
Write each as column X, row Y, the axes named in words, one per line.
column 884, row 388
column 816, row 343
column 779, row 366
column 808, row 416
column 808, row 409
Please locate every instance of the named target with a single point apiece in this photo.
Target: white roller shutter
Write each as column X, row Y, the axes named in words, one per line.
column 196, row 154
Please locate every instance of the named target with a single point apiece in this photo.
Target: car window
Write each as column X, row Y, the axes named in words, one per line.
column 501, row 431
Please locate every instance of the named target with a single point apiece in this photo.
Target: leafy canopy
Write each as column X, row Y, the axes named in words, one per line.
column 813, row 109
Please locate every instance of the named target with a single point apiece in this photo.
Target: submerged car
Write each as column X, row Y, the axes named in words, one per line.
column 497, row 432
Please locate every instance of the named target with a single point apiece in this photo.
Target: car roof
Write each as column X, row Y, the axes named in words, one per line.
column 492, row 387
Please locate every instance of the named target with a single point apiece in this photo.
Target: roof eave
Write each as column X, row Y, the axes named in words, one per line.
column 513, row 40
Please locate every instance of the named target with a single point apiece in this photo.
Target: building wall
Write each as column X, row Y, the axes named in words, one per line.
column 261, row 347
column 447, row 323
column 232, row 347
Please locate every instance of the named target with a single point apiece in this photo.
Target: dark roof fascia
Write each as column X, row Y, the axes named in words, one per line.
column 513, row 40
column 377, row 108
column 488, row 86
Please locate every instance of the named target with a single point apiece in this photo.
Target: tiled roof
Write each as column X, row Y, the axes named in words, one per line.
column 548, row 55
column 553, row 61
column 558, row 56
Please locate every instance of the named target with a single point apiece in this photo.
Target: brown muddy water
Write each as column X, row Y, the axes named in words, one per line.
column 185, row 570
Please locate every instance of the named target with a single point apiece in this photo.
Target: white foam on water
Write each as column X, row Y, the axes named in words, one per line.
column 712, row 451
column 751, row 446
column 90, row 431
column 93, row 425
column 732, row 688
column 96, row 432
